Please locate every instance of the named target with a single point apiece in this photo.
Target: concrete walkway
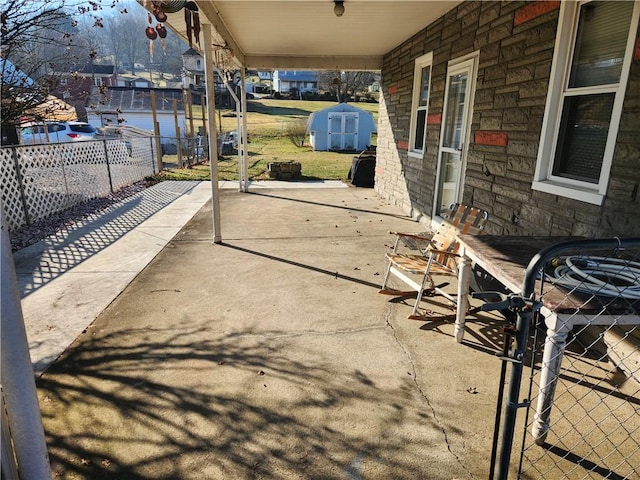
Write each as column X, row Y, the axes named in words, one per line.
column 268, row 356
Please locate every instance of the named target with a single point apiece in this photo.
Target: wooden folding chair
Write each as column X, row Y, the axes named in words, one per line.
column 439, row 255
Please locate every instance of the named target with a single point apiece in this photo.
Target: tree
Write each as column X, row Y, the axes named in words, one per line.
column 37, row 37
column 130, row 32
column 344, row 85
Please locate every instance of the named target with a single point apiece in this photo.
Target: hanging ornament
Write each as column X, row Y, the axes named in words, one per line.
column 196, row 26
column 162, row 33
column 160, row 15
column 187, row 21
column 162, row 30
column 192, row 19
column 150, row 33
column 170, row 6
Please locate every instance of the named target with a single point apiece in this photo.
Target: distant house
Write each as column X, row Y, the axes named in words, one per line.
column 192, row 69
column 341, row 127
column 13, row 76
column 74, row 85
column 14, row 81
column 193, row 77
column 132, row 106
column 133, row 81
column 301, row 81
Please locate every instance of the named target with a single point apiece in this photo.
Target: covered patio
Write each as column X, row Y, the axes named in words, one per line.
column 270, row 355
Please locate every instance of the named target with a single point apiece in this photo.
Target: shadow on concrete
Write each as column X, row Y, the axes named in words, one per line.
column 188, row 429
column 342, row 207
column 334, row 274
column 42, row 263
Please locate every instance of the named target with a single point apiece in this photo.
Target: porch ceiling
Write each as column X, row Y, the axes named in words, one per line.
column 306, row 34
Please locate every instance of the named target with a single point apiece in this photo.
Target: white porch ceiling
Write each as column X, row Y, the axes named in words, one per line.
column 306, row 34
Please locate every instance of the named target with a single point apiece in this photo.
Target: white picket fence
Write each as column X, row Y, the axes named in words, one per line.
column 40, row 180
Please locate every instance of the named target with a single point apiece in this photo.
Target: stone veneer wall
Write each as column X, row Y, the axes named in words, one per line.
column 515, row 41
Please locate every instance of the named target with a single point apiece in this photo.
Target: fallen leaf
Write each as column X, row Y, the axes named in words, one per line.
column 260, row 372
column 472, row 390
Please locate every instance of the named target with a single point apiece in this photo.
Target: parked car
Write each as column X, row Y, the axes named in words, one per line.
column 34, row 132
column 109, row 132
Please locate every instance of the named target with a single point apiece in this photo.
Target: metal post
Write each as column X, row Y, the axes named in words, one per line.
column 244, row 139
column 522, row 336
column 211, row 127
column 106, row 157
column 18, row 384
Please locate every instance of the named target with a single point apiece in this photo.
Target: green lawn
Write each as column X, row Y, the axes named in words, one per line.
column 267, row 123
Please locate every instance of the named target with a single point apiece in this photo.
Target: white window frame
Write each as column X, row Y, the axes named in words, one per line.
column 421, row 62
column 544, row 179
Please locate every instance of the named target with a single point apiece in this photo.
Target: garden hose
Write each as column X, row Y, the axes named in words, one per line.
column 610, row 277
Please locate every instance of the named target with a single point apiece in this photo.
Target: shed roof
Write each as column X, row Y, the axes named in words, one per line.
column 340, row 107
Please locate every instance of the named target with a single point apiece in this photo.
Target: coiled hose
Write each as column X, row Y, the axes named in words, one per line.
column 609, row 277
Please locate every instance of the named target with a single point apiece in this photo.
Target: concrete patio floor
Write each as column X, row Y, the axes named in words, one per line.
column 270, row 355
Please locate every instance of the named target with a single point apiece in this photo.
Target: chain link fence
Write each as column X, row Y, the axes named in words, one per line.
column 579, row 405
column 40, row 180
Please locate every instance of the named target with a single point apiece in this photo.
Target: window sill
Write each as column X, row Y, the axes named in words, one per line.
column 418, row 155
column 573, row 192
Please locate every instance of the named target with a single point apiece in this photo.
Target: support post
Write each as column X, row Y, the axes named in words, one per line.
column 18, row 384
column 156, row 130
column 244, row 139
column 189, row 104
column 176, row 125
column 211, row 128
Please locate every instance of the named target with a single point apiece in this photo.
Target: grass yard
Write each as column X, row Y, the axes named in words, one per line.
column 267, row 123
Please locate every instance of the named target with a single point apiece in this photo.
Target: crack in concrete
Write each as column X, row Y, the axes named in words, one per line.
column 423, row 394
column 309, row 332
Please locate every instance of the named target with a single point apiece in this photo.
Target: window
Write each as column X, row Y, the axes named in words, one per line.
column 97, row 81
column 420, row 105
column 590, row 69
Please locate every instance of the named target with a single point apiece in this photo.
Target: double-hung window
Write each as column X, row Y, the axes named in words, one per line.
column 420, row 105
column 592, row 56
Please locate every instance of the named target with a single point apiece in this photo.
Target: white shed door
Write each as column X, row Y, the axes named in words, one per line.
column 343, row 131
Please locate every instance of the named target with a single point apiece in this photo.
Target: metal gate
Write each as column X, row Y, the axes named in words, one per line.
column 576, row 333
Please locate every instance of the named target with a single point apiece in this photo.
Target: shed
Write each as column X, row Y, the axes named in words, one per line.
column 341, row 127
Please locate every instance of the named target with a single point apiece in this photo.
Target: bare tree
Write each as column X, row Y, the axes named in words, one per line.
column 129, row 30
column 345, row 85
column 37, row 37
